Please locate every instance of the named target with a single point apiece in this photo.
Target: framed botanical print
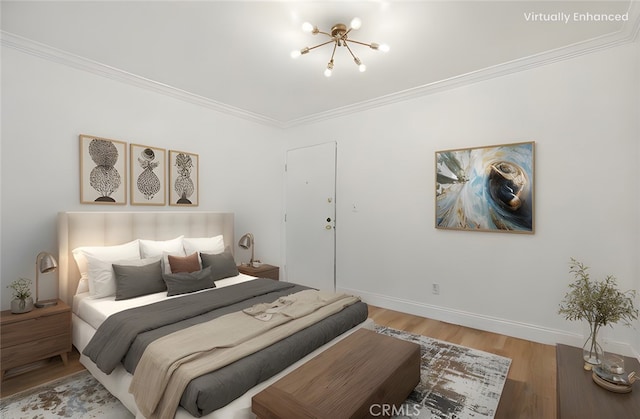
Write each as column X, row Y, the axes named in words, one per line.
column 183, row 178
column 486, row 188
column 103, row 174
column 148, row 175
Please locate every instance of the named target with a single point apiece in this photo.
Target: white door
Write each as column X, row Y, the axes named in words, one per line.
column 310, row 216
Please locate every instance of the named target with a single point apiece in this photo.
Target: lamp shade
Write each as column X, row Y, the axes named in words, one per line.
column 47, row 262
column 246, row 241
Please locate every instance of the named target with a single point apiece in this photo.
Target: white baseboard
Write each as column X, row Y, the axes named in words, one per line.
column 507, row 327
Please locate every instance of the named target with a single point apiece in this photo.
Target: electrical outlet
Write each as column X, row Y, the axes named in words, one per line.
column 435, row 289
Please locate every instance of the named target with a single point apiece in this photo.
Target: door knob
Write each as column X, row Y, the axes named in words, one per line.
column 328, row 227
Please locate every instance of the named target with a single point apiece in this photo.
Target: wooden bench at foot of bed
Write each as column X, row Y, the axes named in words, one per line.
column 355, row 378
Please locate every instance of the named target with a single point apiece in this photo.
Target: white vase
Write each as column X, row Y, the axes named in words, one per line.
column 21, row 306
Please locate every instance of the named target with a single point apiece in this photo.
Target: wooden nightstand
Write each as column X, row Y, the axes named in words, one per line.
column 39, row 334
column 262, row 271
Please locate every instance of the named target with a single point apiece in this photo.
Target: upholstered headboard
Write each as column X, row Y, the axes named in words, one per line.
column 110, row 228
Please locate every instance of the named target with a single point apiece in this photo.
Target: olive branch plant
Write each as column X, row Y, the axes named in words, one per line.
column 600, row 303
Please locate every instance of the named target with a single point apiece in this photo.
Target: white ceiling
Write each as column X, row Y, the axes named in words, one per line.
column 235, row 54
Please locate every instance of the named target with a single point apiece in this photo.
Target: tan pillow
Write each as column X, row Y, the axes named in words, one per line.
column 189, row 263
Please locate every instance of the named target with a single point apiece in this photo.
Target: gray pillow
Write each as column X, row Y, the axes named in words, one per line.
column 134, row 281
column 185, row 282
column 222, row 265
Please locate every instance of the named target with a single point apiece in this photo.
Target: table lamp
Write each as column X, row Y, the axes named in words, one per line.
column 45, row 262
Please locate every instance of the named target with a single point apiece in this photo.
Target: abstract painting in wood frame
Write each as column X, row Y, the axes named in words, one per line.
column 487, row 188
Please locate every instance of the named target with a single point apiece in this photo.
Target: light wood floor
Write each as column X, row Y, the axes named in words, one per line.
column 530, row 390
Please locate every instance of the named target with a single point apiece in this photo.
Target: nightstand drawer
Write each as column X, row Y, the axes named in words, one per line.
column 273, row 273
column 36, row 350
column 262, row 271
column 35, row 328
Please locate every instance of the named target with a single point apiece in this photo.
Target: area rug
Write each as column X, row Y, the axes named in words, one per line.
column 78, row 396
column 455, row 381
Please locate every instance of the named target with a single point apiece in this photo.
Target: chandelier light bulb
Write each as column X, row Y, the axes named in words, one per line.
column 295, row 54
column 361, row 66
column 383, row 48
column 356, row 23
column 307, row 27
column 329, row 70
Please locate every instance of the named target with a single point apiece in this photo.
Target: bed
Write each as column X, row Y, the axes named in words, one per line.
column 233, row 385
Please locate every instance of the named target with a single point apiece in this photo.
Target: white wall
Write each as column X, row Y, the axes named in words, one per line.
column 45, row 106
column 582, row 114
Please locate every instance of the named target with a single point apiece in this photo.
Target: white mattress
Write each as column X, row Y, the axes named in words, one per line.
column 95, row 310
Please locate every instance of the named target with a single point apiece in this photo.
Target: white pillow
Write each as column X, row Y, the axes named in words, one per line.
column 155, row 248
column 211, row 245
column 102, row 278
column 124, row 251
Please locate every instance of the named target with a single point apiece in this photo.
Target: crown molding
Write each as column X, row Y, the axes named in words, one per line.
column 627, row 34
column 59, row 56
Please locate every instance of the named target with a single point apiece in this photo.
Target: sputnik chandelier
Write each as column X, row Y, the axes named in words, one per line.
column 339, row 38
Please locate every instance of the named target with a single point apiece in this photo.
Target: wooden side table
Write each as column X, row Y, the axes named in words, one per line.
column 262, row 271
column 580, row 397
column 39, row 334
